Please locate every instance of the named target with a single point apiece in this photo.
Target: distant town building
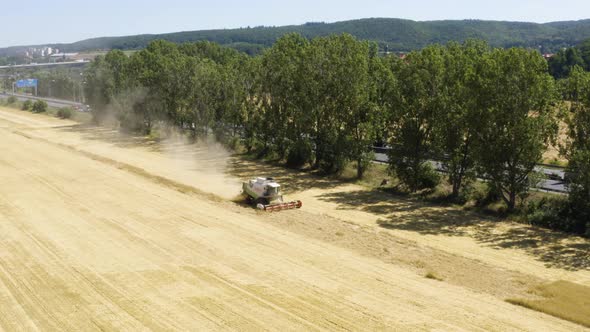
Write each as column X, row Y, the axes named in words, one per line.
column 39, row 52
column 62, row 56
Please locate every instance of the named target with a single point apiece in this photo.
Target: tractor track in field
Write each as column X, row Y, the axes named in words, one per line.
column 94, row 241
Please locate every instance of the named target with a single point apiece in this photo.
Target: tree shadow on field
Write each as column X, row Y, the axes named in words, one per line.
column 408, row 213
column 210, row 155
column 291, row 180
column 554, row 249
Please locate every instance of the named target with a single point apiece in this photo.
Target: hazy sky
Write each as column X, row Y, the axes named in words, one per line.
column 48, row 21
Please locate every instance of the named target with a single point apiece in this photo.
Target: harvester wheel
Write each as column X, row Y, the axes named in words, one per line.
column 262, row 201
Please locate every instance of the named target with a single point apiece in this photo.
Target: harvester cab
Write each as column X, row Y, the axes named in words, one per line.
column 265, row 193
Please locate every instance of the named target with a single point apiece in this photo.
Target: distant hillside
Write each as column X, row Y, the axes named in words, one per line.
column 389, row 33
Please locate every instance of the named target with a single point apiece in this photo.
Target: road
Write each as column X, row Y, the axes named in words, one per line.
column 53, row 102
column 553, row 182
column 51, row 64
column 91, row 243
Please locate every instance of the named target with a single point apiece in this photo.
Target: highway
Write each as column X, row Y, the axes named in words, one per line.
column 51, row 64
column 50, row 101
column 554, row 181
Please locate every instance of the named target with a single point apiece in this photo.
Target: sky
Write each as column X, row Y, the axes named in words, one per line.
column 52, row 21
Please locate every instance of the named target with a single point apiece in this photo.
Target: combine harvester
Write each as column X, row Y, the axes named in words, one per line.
column 266, row 194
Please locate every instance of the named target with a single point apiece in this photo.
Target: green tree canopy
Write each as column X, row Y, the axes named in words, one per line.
column 577, row 149
column 518, row 121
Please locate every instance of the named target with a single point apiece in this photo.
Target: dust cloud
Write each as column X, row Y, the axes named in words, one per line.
column 205, row 161
column 202, row 163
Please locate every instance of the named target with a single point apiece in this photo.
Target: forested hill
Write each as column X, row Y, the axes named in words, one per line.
column 391, row 34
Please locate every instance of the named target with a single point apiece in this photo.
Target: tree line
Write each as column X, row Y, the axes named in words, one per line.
column 484, row 112
column 59, row 83
column 565, row 60
column 52, row 83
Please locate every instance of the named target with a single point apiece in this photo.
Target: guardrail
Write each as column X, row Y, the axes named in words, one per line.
column 51, row 100
column 48, row 64
column 551, row 171
column 385, row 150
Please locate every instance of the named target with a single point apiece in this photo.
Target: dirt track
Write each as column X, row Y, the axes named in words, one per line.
column 91, row 243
